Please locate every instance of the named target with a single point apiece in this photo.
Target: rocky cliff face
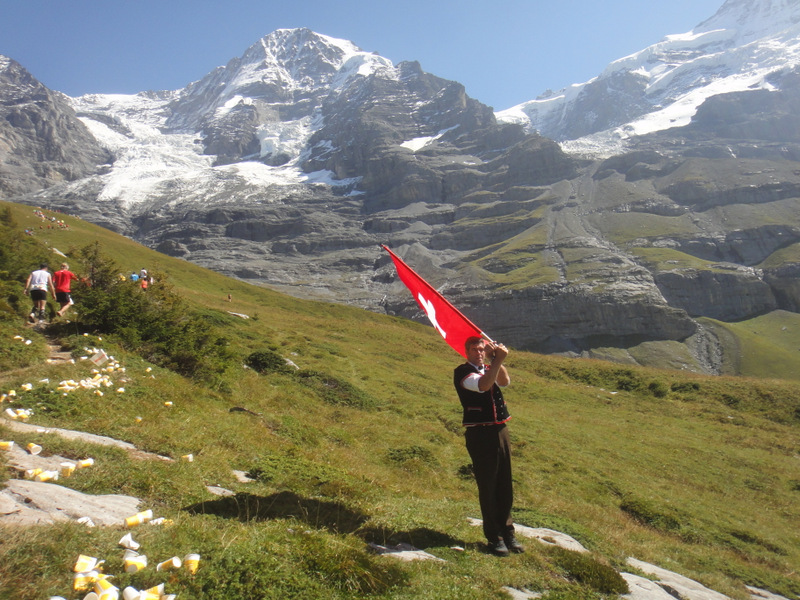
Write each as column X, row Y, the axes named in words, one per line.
column 41, row 140
column 291, row 164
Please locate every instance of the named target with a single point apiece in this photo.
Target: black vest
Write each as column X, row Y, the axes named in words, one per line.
column 480, row 408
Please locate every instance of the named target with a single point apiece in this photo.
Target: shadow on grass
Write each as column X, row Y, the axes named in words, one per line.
column 319, row 514
column 315, row 512
column 421, row 537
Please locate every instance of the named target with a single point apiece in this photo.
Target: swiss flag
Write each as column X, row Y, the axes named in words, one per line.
column 454, row 327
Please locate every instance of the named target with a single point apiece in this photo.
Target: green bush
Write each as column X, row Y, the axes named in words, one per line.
column 267, row 361
column 157, row 324
column 586, row 569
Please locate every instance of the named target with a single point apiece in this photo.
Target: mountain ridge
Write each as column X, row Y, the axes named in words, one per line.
column 294, row 185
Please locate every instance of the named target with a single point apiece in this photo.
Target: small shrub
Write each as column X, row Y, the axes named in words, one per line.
column 588, row 570
column 267, row 361
column 659, row 389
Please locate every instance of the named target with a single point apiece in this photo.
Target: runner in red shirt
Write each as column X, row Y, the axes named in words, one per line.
column 62, row 280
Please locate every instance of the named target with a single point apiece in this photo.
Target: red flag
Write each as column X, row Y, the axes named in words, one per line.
column 454, row 327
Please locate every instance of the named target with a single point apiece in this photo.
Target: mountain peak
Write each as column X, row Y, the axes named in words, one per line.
column 753, row 19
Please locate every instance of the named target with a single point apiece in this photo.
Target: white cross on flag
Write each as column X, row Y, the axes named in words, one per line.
column 454, row 327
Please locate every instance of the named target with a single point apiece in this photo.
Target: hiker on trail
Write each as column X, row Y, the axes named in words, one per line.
column 39, row 281
column 485, row 415
column 62, row 280
column 145, row 281
column 134, row 277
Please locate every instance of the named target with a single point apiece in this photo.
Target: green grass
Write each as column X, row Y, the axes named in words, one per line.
column 766, row 346
column 694, row 473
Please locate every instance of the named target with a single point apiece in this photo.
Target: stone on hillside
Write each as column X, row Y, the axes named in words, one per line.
column 32, row 502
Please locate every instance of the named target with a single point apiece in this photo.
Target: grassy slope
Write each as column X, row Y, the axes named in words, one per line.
column 696, row 474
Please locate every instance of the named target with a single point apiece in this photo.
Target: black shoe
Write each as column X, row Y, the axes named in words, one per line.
column 513, row 545
column 498, row 548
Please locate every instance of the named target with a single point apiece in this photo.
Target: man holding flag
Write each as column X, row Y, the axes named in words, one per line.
column 485, row 414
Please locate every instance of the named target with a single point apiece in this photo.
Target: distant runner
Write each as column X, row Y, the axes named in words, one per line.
column 62, row 280
column 37, row 284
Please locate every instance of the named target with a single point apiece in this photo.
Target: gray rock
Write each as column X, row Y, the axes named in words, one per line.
column 31, row 502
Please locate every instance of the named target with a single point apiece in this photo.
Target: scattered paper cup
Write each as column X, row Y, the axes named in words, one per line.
column 168, row 403
column 154, row 593
column 91, row 596
column 6, row 445
column 187, row 458
column 103, row 585
column 172, row 563
column 191, row 562
column 83, row 581
column 139, row 518
column 46, row 476
column 67, row 469
column 128, row 542
column 86, row 462
column 130, row 593
column 31, row 473
column 34, row 448
column 84, row 564
column 129, row 554
column 136, row 563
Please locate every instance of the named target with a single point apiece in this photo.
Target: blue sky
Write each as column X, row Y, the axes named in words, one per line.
column 504, row 51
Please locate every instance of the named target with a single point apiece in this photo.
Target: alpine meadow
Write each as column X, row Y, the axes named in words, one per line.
column 357, row 440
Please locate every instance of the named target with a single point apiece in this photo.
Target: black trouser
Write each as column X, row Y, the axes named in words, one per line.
column 490, row 451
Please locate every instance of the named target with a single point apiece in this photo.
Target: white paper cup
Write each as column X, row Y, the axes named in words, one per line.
column 139, row 518
column 128, row 542
column 85, row 563
column 32, row 473
column 83, row 581
column 46, row 476
column 172, row 563
column 6, row 445
column 67, row 468
column 130, row 593
column 135, row 563
column 103, row 585
column 86, row 462
column 191, row 562
column 129, row 554
column 153, row 593
column 34, row 448
column 187, row 458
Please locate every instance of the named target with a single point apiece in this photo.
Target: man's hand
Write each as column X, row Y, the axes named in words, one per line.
column 498, row 351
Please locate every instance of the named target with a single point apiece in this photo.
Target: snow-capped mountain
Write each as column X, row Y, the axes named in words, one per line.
column 744, row 46
column 289, row 165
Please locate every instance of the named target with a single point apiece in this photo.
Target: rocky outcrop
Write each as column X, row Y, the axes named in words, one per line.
column 42, row 142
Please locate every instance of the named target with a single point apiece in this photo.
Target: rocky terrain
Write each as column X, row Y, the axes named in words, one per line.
column 289, row 166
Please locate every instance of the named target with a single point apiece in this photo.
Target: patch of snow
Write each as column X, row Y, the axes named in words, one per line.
column 419, row 143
